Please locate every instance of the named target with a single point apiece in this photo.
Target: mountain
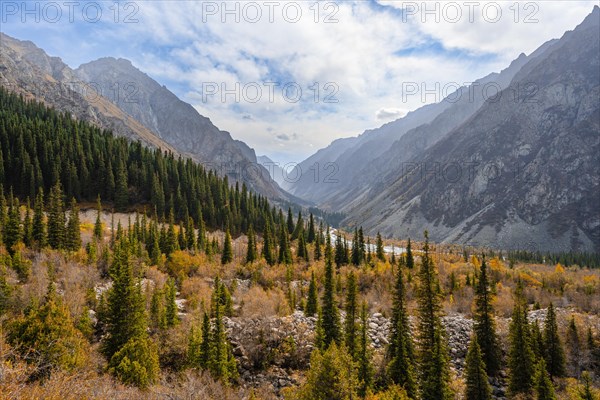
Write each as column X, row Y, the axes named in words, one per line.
column 29, row 71
column 522, row 172
column 115, row 95
column 352, row 163
column 275, row 170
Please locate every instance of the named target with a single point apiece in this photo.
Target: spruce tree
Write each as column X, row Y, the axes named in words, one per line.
column 227, row 254
column 574, row 346
column 251, row 253
column 56, row 218
column 190, row 234
column 221, row 363
column 555, row 354
column 484, row 323
column 410, row 261
column 543, row 384
column 171, row 317
column 380, row 252
column 125, row 319
column 285, row 253
column 290, row 221
column 311, row 229
column 39, row 224
column 312, row 301
column 121, row 189
column 98, row 224
column 477, row 385
column 12, row 229
column 520, row 353
column 73, row 234
column 401, row 349
column 351, row 308
column 302, row 250
column 318, row 243
column 27, row 226
column 355, row 253
column 157, row 310
column 331, row 319
column 299, row 228
column 363, row 358
column 268, row 250
column 433, row 357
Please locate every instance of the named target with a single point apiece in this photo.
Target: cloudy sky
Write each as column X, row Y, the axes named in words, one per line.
column 289, row 77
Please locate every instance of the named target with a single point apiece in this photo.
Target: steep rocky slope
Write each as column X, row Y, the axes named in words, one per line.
column 523, row 172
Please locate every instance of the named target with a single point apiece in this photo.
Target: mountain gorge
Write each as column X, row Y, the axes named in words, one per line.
column 515, row 170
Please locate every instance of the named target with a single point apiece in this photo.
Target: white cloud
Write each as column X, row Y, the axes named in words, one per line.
column 363, row 56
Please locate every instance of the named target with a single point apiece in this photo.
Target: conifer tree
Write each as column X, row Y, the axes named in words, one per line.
column 39, row 224
column 351, row 308
column 227, row 254
column 73, row 234
column 251, row 253
column 478, row 387
column 302, row 250
column 98, row 224
column 587, row 391
column 433, row 358
column 401, row 349
column 537, row 341
column 290, row 221
column 12, row 229
column 485, row 326
column 355, row 253
column 312, row 301
column 27, row 226
column 543, row 385
column 363, row 358
column 205, row 346
column 410, row 261
column 574, row 346
column 299, row 228
column 318, row 243
column 520, row 353
column 311, row 229
column 554, row 352
column 221, row 363
column 285, row 253
column 190, row 234
column 331, row 319
column 56, row 219
column 5, row 291
column 125, row 319
column 268, row 245
column 157, row 310
column 171, row 317
column 380, row 252
column 121, row 189
column 361, row 245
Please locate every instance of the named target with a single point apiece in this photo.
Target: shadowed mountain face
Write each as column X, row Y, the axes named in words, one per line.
column 115, row 95
column 522, row 172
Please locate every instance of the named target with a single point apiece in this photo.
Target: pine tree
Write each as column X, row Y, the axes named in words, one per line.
column 98, row 224
column 121, row 189
column 311, row 229
column 331, row 318
column 221, row 363
column 290, row 221
column 537, row 341
column 73, row 234
column 351, row 308
column 312, row 301
column 171, row 317
column 157, row 310
column 190, row 234
column 299, row 228
column 555, row 354
column 380, row 252
column 56, row 218
column 401, row 349
column 355, row 253
column 433, row 358
column 485, row 326
column 227, row 254
column 477, row 384
column 39, row 224
column 318, row 253
column 251, row 254
column 520, row 353
column 363, row 358
column 543, row 385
